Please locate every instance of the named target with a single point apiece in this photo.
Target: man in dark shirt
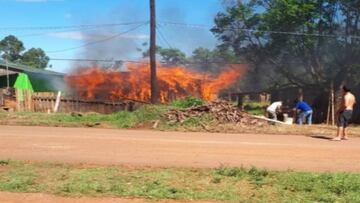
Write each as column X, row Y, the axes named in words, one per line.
column 305, row 112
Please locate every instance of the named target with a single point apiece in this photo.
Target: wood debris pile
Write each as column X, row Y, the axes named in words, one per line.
column 223, row 112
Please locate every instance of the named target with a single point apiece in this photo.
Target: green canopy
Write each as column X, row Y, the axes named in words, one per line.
column 23, row 83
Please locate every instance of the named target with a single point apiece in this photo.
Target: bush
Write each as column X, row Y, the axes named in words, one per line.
column 187, row 102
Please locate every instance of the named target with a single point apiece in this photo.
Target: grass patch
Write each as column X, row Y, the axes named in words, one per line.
column 145, row 117
column 255, row 108
column 219, row 184
column 122, row 119
column 187, row 102
column 4, row 162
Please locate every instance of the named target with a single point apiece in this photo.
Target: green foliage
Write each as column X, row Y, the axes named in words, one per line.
column 213, row 60
column 325, row 187
column 35, row 58
column 280, row 58
column 172, row 56
column 230, row 172
column 187, row 102
column 4, row 162
column 20, row 179
column 255, row 108
column 169, row 56
column 12, row 47
column 258, row 176
column 254, row 174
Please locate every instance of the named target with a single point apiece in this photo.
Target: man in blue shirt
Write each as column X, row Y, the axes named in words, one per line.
column 305, row 112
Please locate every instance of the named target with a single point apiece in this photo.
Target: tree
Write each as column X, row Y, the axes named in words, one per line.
column 170, row 56
column 265, row 34
column 212, row 60
column 35, row 58
column 12, row 48
column 13, row 52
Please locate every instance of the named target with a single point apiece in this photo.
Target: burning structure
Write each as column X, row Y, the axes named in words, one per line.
column 173, row 82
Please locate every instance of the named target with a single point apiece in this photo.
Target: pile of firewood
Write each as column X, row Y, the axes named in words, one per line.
column 222, row 112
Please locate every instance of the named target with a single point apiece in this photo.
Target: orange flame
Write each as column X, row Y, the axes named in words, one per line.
column 173, row 82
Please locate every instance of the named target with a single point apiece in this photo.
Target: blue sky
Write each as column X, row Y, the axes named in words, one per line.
column 25, row 13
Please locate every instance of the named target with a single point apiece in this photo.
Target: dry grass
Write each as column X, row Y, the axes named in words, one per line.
column 279, row 129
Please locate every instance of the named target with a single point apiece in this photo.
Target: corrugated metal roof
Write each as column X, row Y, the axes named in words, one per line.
column 28, row 69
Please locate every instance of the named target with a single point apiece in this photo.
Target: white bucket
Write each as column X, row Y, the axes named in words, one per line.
column 289, row 121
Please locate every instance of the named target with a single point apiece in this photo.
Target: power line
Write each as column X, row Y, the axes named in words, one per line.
column 61, row 27
column 73, row 30
column 134, row 61
column 98, row 41
column 167, row 42
column 201, row 26
column 163, row 37
column 198, row 26
column 54, row 32
column 188, row 63
column 97, row 60
column 70, row 28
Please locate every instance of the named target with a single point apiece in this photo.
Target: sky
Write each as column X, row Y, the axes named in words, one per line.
column 126, row 42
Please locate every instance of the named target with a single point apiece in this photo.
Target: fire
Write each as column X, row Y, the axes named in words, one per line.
column 174, row 82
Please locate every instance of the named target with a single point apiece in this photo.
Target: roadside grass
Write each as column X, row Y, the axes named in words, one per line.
column 146, row 116
column 219, row 184
column 123, row 119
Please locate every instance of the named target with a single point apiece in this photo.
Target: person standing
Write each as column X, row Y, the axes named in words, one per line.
column 344, row 114
column 273, row 109
column 305, row 112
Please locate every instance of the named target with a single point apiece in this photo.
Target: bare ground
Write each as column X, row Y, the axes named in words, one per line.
column 176, row 149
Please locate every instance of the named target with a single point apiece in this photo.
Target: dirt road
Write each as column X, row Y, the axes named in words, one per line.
column 6, row 197
column 168, row 149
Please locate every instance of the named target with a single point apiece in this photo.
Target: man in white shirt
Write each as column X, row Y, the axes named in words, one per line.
column 273, row 109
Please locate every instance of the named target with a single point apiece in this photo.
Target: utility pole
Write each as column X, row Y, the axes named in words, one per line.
column 153, row 77
column 7, row 74
column 7, row 69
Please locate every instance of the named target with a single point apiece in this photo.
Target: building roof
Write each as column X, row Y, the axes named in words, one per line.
column 13, row 67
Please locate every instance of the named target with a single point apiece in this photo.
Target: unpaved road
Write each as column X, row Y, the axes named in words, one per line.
column 175, row 149
column 6, row 197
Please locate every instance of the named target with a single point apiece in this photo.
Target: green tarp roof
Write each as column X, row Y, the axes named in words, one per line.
column 28, row 69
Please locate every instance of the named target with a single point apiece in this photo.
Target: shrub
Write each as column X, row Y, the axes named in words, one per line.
column 187, row 102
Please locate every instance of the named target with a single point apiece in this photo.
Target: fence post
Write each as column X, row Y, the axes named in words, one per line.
column 57, row 102
column 332, row 104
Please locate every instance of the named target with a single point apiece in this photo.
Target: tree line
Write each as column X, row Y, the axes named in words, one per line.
column 13, row 50
column 294, row 42
column 285, row 42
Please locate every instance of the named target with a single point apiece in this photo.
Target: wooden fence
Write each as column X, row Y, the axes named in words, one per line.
column 19, row 100
column 45, row 102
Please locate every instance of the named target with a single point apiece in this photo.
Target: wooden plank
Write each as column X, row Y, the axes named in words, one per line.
column 57, row 102
column 271, row 120
column 18, row 102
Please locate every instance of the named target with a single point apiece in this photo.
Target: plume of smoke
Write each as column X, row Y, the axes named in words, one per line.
column 129, row 46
